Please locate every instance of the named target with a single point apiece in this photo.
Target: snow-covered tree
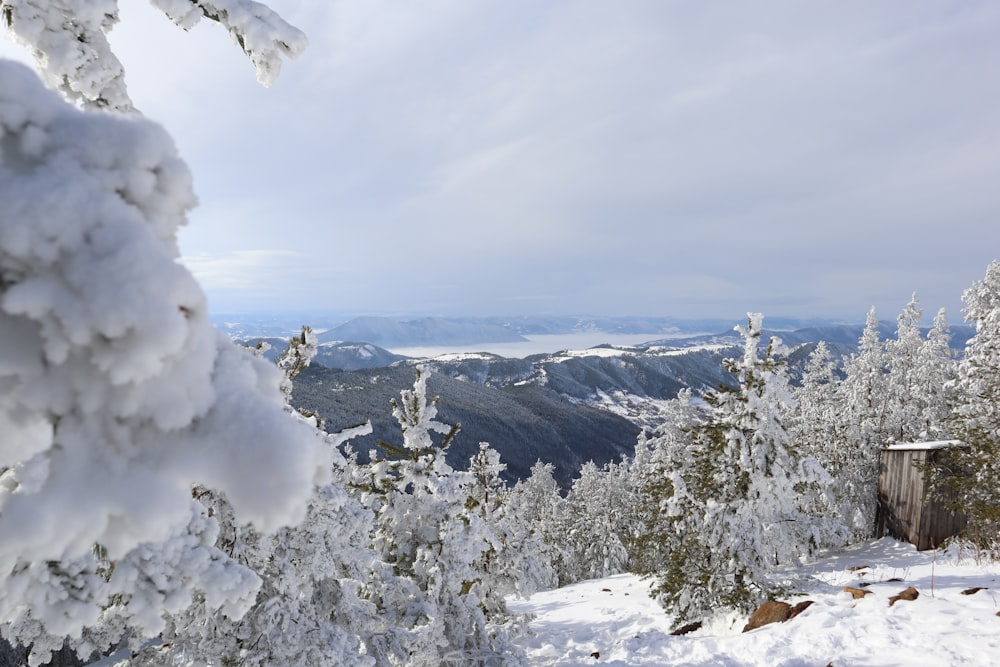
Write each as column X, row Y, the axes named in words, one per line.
column 659, row 458
column 814, row 414
column 118, row 396
column 817, row 428
column 539, row 509
column 973, row 470
column 933, row 384
column 903, row 412
column 433, row 602
column 309, row 609
column 593, row 525
column 734, row 499
column 513, row 564
column 864, row 413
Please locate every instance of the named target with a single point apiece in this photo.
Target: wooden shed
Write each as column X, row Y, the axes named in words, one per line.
column 904, row 509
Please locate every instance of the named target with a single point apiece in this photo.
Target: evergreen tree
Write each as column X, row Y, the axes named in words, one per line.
column 904, row 411
column 972, row 471
column 592, row 524
column 816, row 427
column 309, row 608
column 434, row 599
column 514, row 564
column 733, row 498
column 540, row 509
column 118, row 396
column 933, row 386
column 864, row 400
column 659, row 457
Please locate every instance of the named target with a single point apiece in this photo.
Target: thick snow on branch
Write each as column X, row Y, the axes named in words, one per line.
column 68, row 39
column 263, row 35
column 116, row 394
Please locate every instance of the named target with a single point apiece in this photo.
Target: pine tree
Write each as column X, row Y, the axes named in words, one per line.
column 817, row 429
column 865, row 405
column 972, row 471
column 903, row 412
column 933, row 386
column 540, row 509
column 118, row 397
column 658, row 458
column 592, row 524
column 733, row 498
column 433, row 600
column 514, row 564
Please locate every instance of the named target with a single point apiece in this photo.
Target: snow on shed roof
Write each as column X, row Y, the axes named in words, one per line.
column 933, row 444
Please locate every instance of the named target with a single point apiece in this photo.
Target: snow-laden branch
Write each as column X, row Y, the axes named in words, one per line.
column 262, row 34
column 68, row 39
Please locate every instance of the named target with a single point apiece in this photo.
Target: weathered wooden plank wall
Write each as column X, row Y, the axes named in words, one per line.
column 904, row 511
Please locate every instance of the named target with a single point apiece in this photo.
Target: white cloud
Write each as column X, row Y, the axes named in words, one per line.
column 454, row 155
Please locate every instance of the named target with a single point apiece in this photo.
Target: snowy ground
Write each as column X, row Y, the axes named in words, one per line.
column 615, row 619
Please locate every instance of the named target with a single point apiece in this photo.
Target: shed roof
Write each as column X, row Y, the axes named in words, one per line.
column 933, row 444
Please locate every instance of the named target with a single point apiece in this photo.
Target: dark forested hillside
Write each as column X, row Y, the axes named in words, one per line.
column 543, row 407
column 524, row 423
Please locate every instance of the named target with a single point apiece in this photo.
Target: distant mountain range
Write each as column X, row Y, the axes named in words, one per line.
column 565, row 408
column 425, row 331
column 414, row 332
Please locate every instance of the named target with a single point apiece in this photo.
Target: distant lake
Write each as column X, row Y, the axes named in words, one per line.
column 540, row 344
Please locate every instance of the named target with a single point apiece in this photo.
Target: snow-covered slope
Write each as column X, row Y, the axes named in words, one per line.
column 616, row 620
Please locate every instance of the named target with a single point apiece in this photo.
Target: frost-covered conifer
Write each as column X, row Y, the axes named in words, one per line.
column 933, row 387
column 539, row 509
column 734, row 497
column 903, row 410
column 118, row 396
column 817, row 429
column 513, row 565
column 814, row 414
column 663, row 461
column 865, row 408
column 591, row 524
column 973, row 470
column 309, row 609
column 434, row 601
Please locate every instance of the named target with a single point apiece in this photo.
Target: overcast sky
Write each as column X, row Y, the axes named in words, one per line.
column 495, row 157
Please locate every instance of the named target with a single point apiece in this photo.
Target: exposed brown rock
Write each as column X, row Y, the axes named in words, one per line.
column 910, row 593
column 799, row 608
column 857, row 568
column 974, row 590
column 685, row 629
column 596, row 655
column 771, row 611
column 856, row 593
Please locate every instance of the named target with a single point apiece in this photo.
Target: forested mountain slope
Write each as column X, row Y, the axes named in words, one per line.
column 524, row 423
